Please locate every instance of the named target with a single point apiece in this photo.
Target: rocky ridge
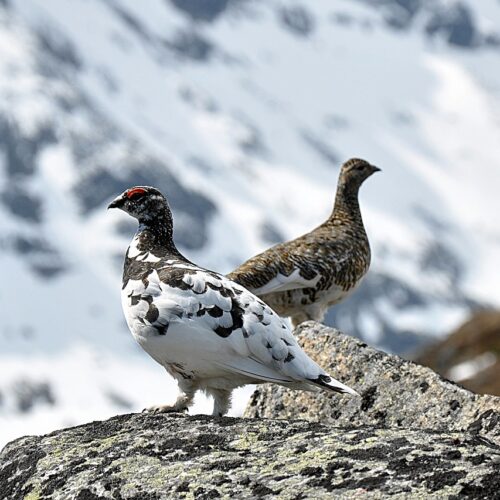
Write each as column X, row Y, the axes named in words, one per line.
column 411, row 434
column 395, row 393
column 174, row 456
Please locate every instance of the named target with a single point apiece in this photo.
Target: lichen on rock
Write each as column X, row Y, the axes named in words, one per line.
column 435, row 440
column 146, row 456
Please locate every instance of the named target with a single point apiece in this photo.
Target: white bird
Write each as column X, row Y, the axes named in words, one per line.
column 210, row 333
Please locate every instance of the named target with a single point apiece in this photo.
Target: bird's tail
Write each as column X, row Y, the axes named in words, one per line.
column 328, row 383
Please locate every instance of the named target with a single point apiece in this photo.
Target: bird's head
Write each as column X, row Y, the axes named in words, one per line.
column 355, row 171
column 142, row 202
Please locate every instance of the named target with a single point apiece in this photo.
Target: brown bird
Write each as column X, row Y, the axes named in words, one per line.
column 302, row 278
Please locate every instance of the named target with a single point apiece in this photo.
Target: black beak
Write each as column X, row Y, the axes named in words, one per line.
column 116, row 203
column 376, row 169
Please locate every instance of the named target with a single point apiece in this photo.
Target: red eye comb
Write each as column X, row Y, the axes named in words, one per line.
column 135, row 191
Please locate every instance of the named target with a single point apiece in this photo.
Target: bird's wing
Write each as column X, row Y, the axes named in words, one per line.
column 276, row 271
column 239, row 332
column 300, row 263
column 282, row 283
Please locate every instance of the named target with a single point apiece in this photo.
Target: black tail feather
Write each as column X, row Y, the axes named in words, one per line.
column 326, row 382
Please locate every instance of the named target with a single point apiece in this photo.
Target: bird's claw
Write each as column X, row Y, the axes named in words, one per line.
column 164, row 409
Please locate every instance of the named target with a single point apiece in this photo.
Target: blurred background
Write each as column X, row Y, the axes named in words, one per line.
column 241, row 111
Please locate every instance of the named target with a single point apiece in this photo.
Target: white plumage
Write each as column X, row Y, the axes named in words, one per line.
column 207, row 331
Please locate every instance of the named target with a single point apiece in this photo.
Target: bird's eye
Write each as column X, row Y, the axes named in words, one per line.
column 135, row 193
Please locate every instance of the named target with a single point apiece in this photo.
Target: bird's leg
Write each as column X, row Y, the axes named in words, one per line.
column 312, row 312
column 299, row 318
column 183, row 402
column 222, row 401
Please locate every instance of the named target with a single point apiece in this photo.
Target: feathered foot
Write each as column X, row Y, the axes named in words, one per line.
column 222, row 401
column 183, row 402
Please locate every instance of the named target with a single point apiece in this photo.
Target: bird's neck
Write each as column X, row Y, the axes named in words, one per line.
column 155, row 235
column 152, row 247
column 346, row 209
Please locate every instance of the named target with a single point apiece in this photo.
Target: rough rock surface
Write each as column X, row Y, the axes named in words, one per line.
column 395, row 393
column 410, row 434
column 152, row 457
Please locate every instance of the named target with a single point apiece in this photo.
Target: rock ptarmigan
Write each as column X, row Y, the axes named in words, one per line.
column 303, row 277
column 209, row 333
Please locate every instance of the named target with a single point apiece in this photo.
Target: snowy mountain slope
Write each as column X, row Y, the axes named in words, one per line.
column 241, row 111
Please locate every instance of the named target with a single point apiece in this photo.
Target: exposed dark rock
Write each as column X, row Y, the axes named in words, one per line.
column 48, row 269
column 270, row 233
column 394, row 392
column 28, row 394
column 438, row 259
column 43, row 259
column 59, row 48
column 323, row 150
column 297, row 19
column 337, row 122
column 131, row 21
column 202, row 10
column 187, row 43
column 434, row 223
column 455, row 24
column 402, row 12
column 252, row 141
column 31, row 245
column 191, row 45
column 492, row 39
column 343, row 18
column 22, row 204
column 21, row 150
column 118, row 400
column 404, row 118
column 151, row 456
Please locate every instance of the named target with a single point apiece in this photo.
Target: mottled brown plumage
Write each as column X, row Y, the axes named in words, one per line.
column 303, row 277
